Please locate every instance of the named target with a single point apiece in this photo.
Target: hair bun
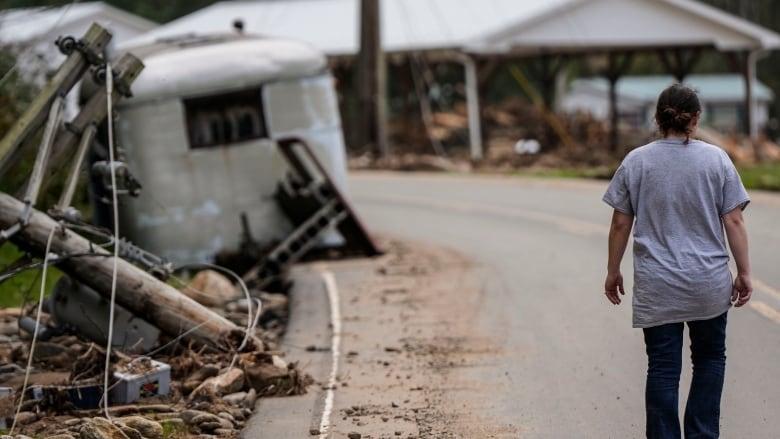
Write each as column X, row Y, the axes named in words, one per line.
column 682, row 117
column 676, row 109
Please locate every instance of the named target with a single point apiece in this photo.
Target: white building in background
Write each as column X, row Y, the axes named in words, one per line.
column 722, row 97
column 31, row 34
column 34, row 30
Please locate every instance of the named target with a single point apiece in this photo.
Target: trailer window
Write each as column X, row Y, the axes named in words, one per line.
column 225, row 119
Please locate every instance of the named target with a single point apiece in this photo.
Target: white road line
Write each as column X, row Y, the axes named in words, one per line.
column 335, row 346
column 763, row 286
column 765, row 310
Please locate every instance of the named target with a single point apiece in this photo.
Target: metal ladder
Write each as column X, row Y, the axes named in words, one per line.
column 313, row 203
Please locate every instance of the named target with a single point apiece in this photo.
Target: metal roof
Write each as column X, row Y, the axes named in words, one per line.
column 484, row 25
column 332, row 25
column 588, row 25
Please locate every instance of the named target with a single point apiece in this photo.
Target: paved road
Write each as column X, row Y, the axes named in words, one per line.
column 570, row 363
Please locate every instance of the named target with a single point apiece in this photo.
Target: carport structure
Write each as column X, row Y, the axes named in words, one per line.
column 678, row 31
column 483, row 34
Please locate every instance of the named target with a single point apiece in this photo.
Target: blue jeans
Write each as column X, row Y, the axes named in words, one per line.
column 664, row 354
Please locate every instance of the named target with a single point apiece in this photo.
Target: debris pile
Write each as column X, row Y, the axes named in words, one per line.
column 580, row 141
column 191, row 389
column 117, row 336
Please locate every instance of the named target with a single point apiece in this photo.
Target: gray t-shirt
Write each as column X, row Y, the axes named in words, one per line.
column 678, row 194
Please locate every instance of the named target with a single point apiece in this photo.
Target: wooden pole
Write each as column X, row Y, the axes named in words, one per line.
column 371, row 73
column 126, row 70
column 155, row 301
column 63, row 80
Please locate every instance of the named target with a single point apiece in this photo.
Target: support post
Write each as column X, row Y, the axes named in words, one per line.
column 616, row 67
column 70, row 187
column 426, row 112
column 472, row 106
column 751, row 103
column 44, row 151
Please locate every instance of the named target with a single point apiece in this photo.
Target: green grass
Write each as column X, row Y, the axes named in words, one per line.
column 599, row 173
column 172, row 430
column 24, row 286
column 764, row 176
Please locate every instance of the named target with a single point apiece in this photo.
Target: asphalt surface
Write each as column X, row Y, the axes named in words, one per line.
column 557, row 359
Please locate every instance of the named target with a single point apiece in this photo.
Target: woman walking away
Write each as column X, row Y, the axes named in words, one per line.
column 678, row 194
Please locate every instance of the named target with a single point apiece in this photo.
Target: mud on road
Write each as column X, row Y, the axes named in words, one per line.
column 408, row 328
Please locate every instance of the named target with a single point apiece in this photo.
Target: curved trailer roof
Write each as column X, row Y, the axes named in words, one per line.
column 199, row 66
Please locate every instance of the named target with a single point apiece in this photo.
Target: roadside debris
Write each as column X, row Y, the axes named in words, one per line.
column 194, row 389
column 124, row 347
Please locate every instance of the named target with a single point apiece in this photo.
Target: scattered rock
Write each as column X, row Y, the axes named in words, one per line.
column 270, row 375
column 207, row 422
column 24, row 418
column 147, row 428
column 241, row 399
column 207, row 371
column 235, row 399
column 275, row 306
column 251, row 399
column 226, row 383
column 131, row 433
column 210, row 288
column 99, row 428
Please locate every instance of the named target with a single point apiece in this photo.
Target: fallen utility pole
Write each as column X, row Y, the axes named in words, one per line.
column 138, row 291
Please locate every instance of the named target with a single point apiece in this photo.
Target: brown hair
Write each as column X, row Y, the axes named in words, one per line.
column 677, row 107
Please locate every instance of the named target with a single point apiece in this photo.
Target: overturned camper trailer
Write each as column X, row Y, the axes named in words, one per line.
column 200, row 134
